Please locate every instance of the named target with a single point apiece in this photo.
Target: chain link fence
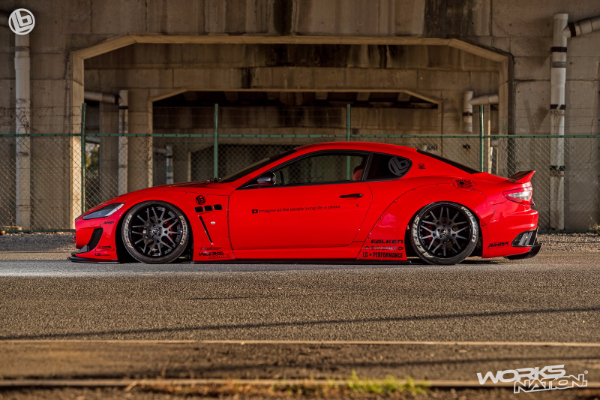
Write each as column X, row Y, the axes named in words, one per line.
column 195, row 144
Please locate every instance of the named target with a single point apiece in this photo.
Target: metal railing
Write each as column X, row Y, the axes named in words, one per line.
column 66, row 178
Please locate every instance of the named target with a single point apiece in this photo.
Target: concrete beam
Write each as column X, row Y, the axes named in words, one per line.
column 273, row 96
column 126, row 40
column 105, row 46
column 190, row 96
column 232, row 96
column 363, row 96
column 422, row 96
column 403, row 97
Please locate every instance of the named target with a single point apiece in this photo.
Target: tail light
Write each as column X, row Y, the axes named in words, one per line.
column 521, row 195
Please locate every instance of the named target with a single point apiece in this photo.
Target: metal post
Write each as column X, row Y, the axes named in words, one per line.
column 216, row 142
column 82, row 158
column 348, row 131
column 481, row 141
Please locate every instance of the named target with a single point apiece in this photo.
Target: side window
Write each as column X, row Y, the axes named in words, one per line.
column 385, row 166
column 322, row 168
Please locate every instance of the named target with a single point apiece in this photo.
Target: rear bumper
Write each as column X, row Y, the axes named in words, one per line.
column 530, row 254
column 502, row 235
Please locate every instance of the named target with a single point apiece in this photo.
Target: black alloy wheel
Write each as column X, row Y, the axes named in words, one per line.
column 155, row 232
column 444, row 233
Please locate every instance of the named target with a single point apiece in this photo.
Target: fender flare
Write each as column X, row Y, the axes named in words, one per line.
column 394, row 221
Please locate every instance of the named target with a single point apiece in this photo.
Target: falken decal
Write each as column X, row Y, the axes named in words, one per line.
column 498, row 244
column 387, row 241
column 213, row 255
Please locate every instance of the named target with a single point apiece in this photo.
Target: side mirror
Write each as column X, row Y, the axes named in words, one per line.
column 266, row 179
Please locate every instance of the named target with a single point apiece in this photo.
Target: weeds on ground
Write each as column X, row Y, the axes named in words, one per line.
column 385, row 386
column 353, row 386
column 595, row 227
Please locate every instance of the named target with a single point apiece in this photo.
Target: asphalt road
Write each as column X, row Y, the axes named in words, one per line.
column 553, row 297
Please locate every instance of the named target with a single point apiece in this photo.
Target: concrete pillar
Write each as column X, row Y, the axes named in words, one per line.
column 123, row 157
column 182, row 162
column 140, row 148
column 109, row 150
column 23, row 126
column 77, row 99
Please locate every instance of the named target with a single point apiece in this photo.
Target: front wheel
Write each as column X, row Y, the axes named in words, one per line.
column 444, row 233
column 155, row 232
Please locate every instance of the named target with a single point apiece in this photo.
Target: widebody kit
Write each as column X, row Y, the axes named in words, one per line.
column 354, row 201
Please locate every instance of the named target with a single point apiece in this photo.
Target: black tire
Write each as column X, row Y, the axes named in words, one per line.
column 155, row 232
column 444, row 233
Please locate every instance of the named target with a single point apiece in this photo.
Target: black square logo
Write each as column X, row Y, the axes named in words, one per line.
column 255, row 211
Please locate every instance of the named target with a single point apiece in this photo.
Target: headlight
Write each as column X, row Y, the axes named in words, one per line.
column 104, row 211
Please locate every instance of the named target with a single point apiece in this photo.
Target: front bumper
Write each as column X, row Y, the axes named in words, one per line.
column 96, row 239
column 75, row 258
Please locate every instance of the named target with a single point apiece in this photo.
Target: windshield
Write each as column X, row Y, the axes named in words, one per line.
column 257, row 165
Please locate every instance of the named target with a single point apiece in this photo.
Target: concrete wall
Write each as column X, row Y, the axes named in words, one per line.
column 521, row 30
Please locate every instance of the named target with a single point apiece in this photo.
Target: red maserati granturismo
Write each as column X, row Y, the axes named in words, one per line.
column 343, row 201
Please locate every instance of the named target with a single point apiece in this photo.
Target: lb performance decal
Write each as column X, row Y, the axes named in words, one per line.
column 294, row 209
column 200, row 200
column 389, row 248
column 380, row 254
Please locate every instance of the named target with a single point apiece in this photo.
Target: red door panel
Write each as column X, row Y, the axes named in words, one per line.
column 298, row 216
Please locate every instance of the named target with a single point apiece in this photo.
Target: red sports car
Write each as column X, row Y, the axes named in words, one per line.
column 352, row 201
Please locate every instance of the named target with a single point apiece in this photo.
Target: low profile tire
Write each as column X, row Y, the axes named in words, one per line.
column 444, row 233
column 155, row 232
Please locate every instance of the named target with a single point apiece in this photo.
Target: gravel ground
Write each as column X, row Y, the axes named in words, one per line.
column 63, row 242
column 30, row 242
column 577, row 242
column 137, row 394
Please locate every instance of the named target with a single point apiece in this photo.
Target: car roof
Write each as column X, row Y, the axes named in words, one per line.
column 364, row 146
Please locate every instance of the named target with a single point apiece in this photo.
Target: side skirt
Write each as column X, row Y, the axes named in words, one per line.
column 327, row 261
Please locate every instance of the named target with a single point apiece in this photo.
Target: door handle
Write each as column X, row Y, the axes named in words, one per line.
column 353, row 195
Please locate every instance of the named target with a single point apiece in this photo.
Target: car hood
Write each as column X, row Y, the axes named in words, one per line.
column 206, row 187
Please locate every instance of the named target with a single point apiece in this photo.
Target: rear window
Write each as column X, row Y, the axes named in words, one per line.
column 468, row 170
column 385, row 166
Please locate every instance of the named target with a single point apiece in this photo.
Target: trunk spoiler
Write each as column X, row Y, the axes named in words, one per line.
column 522, row 177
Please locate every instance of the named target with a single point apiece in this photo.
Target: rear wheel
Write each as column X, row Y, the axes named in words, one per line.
column 444, row 233
column 155, row 232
